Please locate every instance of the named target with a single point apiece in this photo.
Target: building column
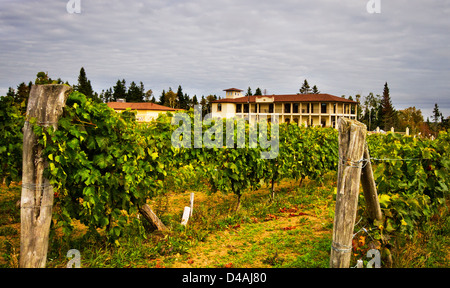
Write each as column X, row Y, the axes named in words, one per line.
column 330, row 108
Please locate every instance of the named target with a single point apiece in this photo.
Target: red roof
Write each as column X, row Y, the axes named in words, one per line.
column 139, row 106
column 233, row 89
column 289, row 98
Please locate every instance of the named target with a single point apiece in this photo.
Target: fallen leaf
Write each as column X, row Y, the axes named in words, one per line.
column 288, row 228
column 298, row 214
column 270, row 217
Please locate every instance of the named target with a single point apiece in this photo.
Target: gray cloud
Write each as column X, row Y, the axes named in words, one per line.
column 207, row 46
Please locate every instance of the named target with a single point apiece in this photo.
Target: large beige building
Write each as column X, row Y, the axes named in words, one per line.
column 303, row 109
column 145, row 111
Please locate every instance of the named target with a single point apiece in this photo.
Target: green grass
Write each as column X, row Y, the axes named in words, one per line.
column 9, row 212
column 263, row 233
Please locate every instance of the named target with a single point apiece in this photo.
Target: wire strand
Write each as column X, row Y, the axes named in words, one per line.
column 35, row 206
column 341, row 248
column 365, row 161
column 33, row 186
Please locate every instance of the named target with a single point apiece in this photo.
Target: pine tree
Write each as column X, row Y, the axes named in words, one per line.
column 11, row 93
column 84, row 85
column 142, row 92
column 305, row 88
column 209, row 100
column 437, row 115
column 106, row 96
column 388, row 113
column 249, row 92
column 315, row 90
column 188, row 101
column 194, row 101
column 22, row 95
column 204, row 105
column 119, row 90
column 258, row 92
column 135, row 93
column 162, row 98
column 182, row 99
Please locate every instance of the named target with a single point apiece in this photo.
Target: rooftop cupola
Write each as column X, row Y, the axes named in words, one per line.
column 233, row 93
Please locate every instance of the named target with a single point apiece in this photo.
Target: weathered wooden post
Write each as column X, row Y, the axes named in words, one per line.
column 352, row 138
column 151, row 217
column 370, row 188
column 45, row 104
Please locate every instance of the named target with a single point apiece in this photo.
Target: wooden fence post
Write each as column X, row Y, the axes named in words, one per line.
column 369, row 188
column 352, row 138
column 45, row 104
column 151, row 217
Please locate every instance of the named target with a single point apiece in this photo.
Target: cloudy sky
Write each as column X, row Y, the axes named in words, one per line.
column 210, row 45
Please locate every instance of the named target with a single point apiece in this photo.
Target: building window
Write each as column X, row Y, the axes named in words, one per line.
column 238, row 108
column 245, row 108
column 307, row 107
column 334, row 108
column 294, row 107
column 312, row 108
column 323, row 108
column 287, row 108
column 255, row 108
column 219, row 107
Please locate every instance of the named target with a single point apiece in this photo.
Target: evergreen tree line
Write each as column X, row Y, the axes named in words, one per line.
column 305, row 89
column 137, row 93
column 378, row 111
column 373, row 110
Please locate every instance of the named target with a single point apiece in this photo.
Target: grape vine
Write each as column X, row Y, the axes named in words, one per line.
column 104, row 165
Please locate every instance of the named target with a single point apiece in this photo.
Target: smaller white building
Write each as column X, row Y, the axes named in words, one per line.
column 145, row 111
